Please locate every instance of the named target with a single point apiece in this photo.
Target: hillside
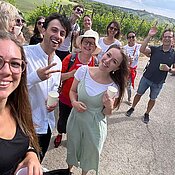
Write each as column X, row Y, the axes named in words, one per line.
column 143, row 14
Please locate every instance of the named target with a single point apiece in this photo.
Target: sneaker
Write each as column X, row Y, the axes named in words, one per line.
column 57, row 140
column 129, row 112
column 146, row 118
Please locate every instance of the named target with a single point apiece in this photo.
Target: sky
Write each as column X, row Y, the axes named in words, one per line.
column 160, row 7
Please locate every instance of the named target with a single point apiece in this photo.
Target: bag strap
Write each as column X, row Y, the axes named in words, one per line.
column 71, row 61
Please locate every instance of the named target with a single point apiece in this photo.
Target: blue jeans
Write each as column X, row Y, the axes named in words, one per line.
column 154, row 88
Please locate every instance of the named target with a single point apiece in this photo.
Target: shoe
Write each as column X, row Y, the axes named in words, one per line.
column 129, row 112
column 146, row 118
column 129, row 102
column 57, row 140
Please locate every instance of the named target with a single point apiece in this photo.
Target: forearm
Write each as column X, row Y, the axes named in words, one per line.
column 107, row 111
column 145, row 44
column 65, row 76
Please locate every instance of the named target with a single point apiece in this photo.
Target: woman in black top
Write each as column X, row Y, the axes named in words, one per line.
column 18, row 142
column 37, row 33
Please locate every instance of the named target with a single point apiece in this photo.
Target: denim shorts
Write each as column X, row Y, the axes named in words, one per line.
column 154, row 88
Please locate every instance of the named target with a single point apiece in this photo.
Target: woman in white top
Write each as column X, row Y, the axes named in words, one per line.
column 113, row 34
column 87, row 125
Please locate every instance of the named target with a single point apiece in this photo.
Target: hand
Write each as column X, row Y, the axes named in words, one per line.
column 45, row 73
column 51, row 108
column 152, row 31
column 164, row 67
column 32, row 163
column 79, row 106
column 108, row 102
column 72, row 73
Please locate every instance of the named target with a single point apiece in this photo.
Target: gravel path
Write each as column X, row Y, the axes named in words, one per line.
column 133, row 148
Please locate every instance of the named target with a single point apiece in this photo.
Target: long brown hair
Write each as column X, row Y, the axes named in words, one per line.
column 18, row 100
column 120, row 76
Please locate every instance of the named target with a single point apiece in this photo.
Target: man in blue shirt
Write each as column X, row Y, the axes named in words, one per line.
column 161, row 60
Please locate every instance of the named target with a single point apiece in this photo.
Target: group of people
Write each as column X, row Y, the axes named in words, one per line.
column 82, row 66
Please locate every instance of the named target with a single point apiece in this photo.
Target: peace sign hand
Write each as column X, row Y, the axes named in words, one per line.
column 45, row 73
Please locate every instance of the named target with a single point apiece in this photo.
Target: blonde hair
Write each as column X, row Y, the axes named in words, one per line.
column 8, row 13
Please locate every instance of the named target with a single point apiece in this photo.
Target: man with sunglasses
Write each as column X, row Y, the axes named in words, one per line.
column 161, row 60
column 69, row 41
column 133, row 51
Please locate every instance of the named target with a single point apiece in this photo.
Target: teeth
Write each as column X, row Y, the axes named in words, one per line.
column 54, row 41
column 4, row 82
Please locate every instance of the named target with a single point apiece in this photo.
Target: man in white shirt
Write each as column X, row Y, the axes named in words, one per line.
column 44, row 74
column 69, row 42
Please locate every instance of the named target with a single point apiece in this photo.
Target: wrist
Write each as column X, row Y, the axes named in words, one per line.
column 169, row 70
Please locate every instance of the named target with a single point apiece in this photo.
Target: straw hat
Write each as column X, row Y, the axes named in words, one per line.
column 90, row 34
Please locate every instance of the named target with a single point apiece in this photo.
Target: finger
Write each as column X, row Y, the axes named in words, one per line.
column 50, row 65
column 52, row 71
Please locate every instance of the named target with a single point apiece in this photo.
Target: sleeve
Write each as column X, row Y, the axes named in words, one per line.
column 65, row 63
column 80, row 73
column 32, row 76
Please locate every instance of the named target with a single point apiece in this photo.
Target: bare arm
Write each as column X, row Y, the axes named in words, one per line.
column 144, row 49
column 67, row 75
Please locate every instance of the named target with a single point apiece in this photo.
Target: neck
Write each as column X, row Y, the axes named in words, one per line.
column 131, row 44
column 84, row 58
column 49, row 52
column 166, row 48
column 73, row 19
column 2, row 106
column 110, row 37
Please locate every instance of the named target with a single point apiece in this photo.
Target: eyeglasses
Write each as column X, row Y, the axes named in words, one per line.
column 86, row 42
column 129, row 37
column 113, row 28
column 40, row 23
column 79, row 10
column 20, row 20
column 16, row 65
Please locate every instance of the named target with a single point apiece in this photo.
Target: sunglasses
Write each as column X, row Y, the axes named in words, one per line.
column 129, row 37
column 20, row 20
column 113, row 28
column 40, row 23
column 79, row 10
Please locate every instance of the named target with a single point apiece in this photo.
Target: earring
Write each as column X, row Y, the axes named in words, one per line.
column 113, row 72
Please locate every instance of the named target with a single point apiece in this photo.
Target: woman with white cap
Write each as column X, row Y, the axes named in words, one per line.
column 87, row 125
column 88, row 45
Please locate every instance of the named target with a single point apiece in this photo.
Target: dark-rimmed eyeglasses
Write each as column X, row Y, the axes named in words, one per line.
column 113, row 28
column 16, row 65
column 20, row 20
column 79, row 10
column 86, row 42
column 40, row 23
column 129, row 37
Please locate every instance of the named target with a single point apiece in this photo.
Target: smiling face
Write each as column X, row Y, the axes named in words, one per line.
column 78, row 12
column 88, row 45
column 87, row 23
column 167, row 38
column 111, row 60
column 131, row 37
column 39, row 24
column 54, row 35
column 8, row 80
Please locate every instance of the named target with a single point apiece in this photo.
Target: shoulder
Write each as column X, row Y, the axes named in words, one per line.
column 80, row 73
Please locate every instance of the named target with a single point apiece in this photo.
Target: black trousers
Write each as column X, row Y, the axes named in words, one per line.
column 44, row 140
column 64, row 111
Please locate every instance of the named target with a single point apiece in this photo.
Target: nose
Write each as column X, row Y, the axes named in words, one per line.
column 6, row 69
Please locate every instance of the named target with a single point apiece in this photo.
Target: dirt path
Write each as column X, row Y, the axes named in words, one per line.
column 133, row 148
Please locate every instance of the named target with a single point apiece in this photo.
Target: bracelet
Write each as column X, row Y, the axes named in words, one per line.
column 32, row 149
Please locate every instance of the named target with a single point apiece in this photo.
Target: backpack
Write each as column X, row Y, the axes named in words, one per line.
column 72, row 60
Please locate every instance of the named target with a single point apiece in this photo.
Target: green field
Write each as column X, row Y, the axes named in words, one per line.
column 28, row 5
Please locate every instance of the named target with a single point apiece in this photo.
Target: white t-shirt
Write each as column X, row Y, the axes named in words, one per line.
column 104, row 47
column 130, row 50
column 93, row 88
column 65, row 46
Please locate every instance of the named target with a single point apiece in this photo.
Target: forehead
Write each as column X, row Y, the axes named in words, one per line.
column 9, row 49
column 116, row 54
column 55, row 23
column 168, row 33
column 87, row 18
column 88, row 39
column 131, row 34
